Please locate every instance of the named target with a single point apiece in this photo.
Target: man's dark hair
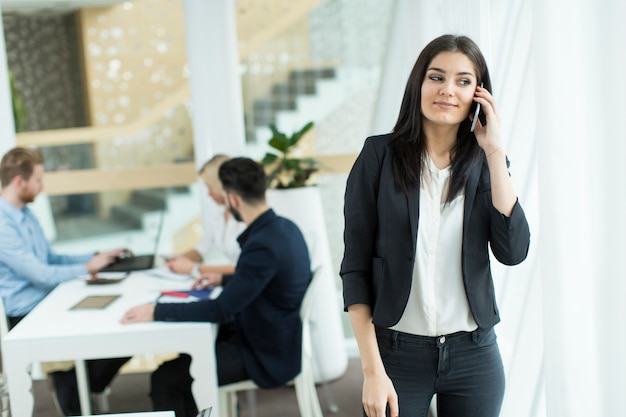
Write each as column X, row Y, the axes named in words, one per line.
column 244, row 177
column 19, row 161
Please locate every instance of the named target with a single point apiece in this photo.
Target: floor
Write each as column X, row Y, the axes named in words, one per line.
column 129, row 393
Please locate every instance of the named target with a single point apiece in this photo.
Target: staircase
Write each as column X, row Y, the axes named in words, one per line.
column 307, row 95
column 283, row 97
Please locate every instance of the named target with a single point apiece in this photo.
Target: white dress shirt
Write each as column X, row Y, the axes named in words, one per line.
column 221, row 236
column 437, row 302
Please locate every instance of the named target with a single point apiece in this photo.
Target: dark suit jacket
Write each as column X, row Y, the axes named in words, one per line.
column 263, row 298
column 381, row 232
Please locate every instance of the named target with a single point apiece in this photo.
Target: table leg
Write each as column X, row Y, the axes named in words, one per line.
column 204, row 373
column 83, row 387
column 20, row 384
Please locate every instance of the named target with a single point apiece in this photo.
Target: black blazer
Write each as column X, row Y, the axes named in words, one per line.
column 263, row 297
column 381, row 232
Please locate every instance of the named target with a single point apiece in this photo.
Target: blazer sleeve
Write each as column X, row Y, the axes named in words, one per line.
column 510, row 236
column 255, row 269
column 361, row 224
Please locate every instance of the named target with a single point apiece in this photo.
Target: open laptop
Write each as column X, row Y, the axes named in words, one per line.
column 137, row 262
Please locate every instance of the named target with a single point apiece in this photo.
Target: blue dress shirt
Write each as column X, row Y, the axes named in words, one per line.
column 29, row 269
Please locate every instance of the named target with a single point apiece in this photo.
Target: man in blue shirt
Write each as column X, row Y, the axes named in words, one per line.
column 258, row 310
column 29, row 269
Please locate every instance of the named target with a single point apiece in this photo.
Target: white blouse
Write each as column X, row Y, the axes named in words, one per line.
column 437, row 302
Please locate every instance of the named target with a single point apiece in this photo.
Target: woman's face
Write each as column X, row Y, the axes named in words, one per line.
column 448, row 89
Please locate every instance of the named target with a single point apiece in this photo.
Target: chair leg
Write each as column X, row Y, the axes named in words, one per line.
column 234, row 412
column 223, row 402
column 330, row 400
column 102, row 400
column 306, row 393
column 251, row 402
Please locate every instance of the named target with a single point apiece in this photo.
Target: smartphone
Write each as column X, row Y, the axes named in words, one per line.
column 477, row 115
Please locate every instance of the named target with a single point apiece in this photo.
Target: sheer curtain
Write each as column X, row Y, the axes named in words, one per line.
column 580, row 71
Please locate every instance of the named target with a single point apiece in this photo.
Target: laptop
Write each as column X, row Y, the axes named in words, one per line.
column 137, row 262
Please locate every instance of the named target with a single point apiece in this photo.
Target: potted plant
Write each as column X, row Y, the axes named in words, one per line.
column 284, row 170
column 20, row 116
column 291, row 196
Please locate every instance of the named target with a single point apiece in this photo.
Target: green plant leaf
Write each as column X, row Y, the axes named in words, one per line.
column 295, row 138
column 288, row 172
column 269, row 159
column 279, row 140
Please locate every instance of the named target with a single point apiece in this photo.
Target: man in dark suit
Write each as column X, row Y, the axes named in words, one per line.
column 260, row 335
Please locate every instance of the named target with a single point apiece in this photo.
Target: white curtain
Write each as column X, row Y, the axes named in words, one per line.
column 580, row 72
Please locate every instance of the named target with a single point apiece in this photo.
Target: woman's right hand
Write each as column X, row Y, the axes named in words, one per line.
column 378, row 392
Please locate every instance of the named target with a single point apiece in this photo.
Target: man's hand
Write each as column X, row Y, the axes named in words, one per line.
column 139, row 314
column 180, row 264
column 102, row 259
column 208, row 280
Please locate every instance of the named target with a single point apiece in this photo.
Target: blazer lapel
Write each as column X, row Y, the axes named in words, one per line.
column 413, row 198
column 470, row 194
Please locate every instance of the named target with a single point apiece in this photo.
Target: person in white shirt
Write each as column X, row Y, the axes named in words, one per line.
column 221, row 235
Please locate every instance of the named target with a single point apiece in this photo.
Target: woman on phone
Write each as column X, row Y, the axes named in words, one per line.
column 422, row 206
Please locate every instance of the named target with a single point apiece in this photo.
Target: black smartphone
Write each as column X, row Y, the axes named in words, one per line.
column 478, row 114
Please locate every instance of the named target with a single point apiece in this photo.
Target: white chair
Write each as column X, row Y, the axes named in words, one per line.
column 4, row 389
column 101, row 400
column 304, row 383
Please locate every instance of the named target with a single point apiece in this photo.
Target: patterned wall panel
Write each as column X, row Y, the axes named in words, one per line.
column 134, row 56
column 43, row 54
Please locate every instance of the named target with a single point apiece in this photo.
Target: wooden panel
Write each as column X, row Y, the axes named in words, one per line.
column 165, row 175
column 336, row 164
column 92, row 180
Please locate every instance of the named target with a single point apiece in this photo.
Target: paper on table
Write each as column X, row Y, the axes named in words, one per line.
column 167, row 274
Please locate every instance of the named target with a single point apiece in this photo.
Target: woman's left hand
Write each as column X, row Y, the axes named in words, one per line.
column 488, row 137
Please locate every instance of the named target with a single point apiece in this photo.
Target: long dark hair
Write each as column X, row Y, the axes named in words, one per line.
column 407, row 138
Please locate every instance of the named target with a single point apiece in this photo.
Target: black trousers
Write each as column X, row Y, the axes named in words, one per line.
column 464, row 369
column 100, row 373
column 171, row 382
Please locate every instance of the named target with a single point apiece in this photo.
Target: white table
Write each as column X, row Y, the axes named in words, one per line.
column 146, row 414
column 51, row 332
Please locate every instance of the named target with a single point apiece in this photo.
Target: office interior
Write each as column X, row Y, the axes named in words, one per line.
column 128, row 98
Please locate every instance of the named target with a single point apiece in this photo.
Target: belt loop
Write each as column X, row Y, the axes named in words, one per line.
column 394, row 339
column 476, row 336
